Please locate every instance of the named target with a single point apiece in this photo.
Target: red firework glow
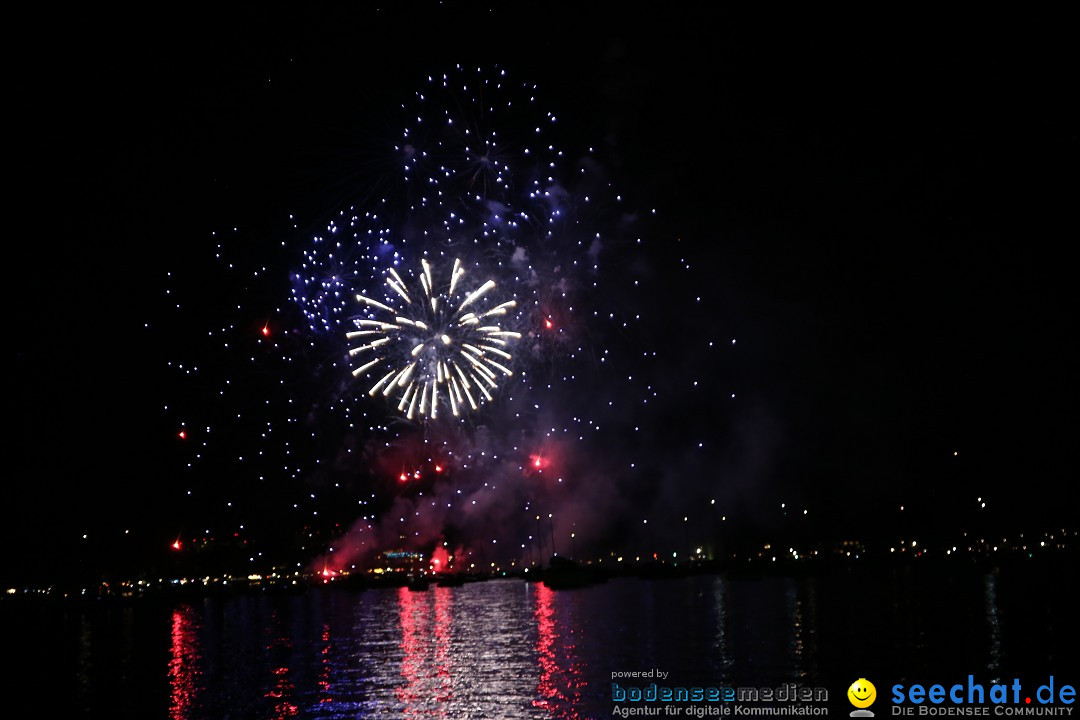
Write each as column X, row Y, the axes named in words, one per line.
column 266, row 329
column 176, row 544
column 440, row 560
column 537, row 462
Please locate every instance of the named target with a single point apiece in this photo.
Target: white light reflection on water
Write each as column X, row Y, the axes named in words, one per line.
column 802, row 619
column 993, row 621
column 721, row 644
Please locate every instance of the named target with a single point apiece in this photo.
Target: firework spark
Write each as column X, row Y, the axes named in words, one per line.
column 497, row 237
column 433, row 343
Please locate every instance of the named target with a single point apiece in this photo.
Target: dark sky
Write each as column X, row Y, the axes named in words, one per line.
column 880, row 209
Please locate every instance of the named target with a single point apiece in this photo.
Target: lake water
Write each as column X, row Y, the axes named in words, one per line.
column 509, row 649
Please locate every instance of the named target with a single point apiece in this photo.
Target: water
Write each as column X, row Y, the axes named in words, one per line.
column 508, row 649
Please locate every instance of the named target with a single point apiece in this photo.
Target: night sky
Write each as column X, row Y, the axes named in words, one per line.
column 879, row 210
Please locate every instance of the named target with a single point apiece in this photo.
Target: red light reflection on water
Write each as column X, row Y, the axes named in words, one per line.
column 559, row 688
column 409, row 608
column 282, row 690
column 324, row 667
column 281, row 694
column 184, row 658
column 419, row 692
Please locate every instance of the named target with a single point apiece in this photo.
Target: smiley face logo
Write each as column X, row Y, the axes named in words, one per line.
column 862, row 693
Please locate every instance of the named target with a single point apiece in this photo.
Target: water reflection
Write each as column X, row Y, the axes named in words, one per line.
column 184, row 660
column 802, row 618
column 84, row 667
column 516, row 650
column 721, row 644
column 281, row 688
column 560, row 682
column 993, row 620
column 444, row 621
column 325, row 668
column 421, row 671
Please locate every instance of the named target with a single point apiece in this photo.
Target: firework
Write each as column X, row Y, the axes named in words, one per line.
column 475, row 244
column 433, row 342
column 474, row 172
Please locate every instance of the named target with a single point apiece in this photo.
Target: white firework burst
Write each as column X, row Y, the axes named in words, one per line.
column 433, row 343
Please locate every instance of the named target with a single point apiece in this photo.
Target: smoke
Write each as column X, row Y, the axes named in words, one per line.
column 512, row 494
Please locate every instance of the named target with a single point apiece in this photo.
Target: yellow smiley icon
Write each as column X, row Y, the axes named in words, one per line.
column 862, row 693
